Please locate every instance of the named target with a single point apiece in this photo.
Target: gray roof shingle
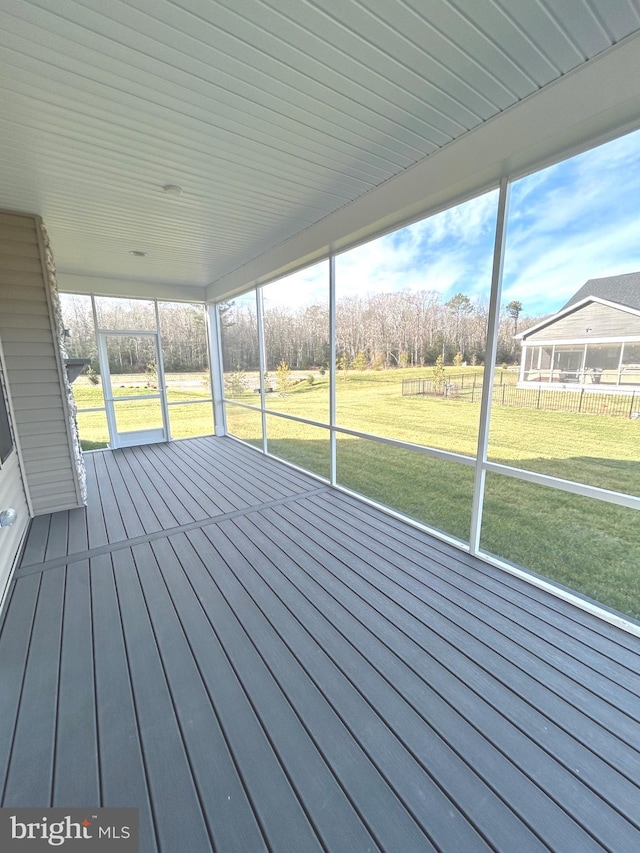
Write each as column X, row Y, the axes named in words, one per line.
column 624, row 289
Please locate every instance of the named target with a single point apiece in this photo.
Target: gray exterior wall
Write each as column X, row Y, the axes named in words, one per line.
column 602, row 320
column 33, row 367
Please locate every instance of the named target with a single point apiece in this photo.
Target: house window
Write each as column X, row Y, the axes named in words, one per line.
column 631, row 357
column 603, row 357
column 6, row 438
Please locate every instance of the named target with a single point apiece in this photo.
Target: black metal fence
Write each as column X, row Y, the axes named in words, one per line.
column 467, row 385
column 506, row 393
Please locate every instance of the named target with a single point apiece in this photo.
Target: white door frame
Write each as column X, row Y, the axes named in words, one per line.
column 133, row 437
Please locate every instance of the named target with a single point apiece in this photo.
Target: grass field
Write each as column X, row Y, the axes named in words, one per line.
column 586, row 545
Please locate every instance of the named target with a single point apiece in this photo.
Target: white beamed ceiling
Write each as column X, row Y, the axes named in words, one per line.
column 271, row 116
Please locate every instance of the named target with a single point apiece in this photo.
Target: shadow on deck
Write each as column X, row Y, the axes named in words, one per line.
column 258, row 662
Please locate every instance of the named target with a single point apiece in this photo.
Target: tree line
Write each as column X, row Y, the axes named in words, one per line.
column 400, row 329
column 182, row 329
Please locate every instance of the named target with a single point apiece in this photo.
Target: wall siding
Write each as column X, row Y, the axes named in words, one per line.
column 32, row 368
column 602, row 320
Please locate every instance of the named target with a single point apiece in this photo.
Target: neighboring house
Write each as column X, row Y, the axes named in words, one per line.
column 593, row 339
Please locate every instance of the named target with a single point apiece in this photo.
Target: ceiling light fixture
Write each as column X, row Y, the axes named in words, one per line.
column 137, row 253
column 172, row 189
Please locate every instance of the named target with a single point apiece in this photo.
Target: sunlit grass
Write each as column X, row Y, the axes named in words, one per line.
column 434, row 491
column 583, row 544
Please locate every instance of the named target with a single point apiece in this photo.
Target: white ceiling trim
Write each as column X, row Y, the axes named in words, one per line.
column 128, row 288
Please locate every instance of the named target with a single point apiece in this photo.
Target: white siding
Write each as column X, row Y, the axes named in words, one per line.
column 33, row 369
column 592, row 321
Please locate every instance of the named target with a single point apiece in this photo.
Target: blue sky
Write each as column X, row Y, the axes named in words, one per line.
column 576, row 220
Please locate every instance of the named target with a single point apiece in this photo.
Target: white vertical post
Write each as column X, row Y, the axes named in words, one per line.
column 105, row 376
column 215, row 366
column 523, row 358
column 262, row 366
column 161, row 377
column 620, row 363
column 332, row 370
column 107, row 389
column 489, row 362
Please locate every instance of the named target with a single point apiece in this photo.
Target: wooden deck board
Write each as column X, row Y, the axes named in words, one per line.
column 168, row 769
column 149, row 496
column 131, row 511
column 58, row 540
column 355, row 741
column 113, row 509
column 187, row 485
column 30, row 772
column 333, row 816
column 96, row 527
column 76, row 770
column 584, row 626
column 78, row 540
column 224, row 799
column 258, row 662
column 36, row 544
column 263, row 778
column 272, row 777
column 527, row 667
column 123, row 781
column 17, row 625
column 136, row 491
column 452, row 689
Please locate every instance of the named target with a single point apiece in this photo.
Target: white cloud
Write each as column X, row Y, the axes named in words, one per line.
column 309, row 286
column 574, row 221
column 448, row 252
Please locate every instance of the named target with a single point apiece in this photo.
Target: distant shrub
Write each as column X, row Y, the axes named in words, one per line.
column 439, row 374
column 236, row 384
column 92, row 376
column 283, row 378
column 360, row 361
column 343, row 365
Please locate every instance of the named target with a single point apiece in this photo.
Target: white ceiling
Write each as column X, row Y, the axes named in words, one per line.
column 270, row 114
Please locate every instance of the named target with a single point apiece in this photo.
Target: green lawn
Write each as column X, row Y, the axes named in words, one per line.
column 584, row 544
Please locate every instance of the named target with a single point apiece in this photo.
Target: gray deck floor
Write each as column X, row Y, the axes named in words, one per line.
column 258, row 662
